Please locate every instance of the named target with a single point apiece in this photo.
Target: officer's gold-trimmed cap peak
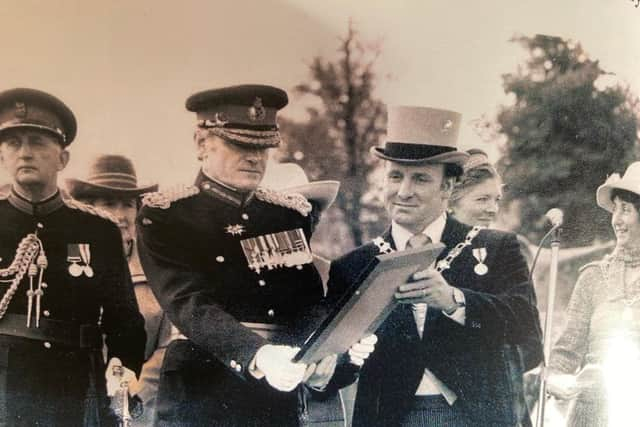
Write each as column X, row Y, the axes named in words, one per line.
column 36, row 109
column 243, row 114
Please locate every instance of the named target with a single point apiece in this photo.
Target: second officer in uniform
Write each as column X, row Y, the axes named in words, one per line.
column 64, row 281
column 231, row 265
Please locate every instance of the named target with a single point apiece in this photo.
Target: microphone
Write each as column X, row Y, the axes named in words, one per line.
column 555, row 217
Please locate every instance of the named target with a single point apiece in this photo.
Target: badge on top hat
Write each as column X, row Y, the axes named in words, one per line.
column 35, row 109
column 244, row 114
column 417, row 135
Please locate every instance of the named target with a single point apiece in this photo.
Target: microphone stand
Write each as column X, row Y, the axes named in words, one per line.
column 546, row 337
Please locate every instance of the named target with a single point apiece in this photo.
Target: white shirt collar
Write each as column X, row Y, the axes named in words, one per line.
column 434, row 230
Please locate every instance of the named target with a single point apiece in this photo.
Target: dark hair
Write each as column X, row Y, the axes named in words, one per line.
column 626, row 196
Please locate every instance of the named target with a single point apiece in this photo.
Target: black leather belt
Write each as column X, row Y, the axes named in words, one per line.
column 61, row 332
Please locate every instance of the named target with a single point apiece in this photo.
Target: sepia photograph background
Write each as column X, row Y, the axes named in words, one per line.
column 548, row 89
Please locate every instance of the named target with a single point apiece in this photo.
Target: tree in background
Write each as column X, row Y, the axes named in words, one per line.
column 334, row 143
column 564, row 135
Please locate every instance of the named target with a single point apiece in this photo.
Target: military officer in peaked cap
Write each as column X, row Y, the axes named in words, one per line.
column 63, row 277
column 230, row 263
column 444, row 354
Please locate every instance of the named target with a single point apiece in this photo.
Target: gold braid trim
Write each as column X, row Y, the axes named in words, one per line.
column 293, row 201
column 163, row 199
column 26, row 252
column 266, row 138
column 83, row 207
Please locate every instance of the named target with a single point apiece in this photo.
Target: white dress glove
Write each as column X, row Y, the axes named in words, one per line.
column 116, row 375
column 274, row 362
column 362, row 349
column 318, row 375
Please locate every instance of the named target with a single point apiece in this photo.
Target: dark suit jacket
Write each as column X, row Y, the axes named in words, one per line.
column 474, row 359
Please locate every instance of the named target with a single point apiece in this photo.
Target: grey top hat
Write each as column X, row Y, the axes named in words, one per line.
column 110, row 175
column 421, row 135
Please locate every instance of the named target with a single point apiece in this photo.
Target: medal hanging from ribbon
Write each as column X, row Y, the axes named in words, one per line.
column 79, row 253
column 480, row 254
column 276, row 250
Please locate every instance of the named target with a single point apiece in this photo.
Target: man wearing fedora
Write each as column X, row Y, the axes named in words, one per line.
column 64, row 279
column 231, row 265
column 440, row 356
column 112, row 185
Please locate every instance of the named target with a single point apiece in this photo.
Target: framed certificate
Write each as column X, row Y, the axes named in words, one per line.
column 367, row 304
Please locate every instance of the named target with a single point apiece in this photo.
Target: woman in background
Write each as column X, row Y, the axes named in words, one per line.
column 596, row 360
column 112, row 186
column 476, row 196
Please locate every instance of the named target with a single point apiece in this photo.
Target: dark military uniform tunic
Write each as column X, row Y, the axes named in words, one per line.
column 53, row 375
column 197, row 253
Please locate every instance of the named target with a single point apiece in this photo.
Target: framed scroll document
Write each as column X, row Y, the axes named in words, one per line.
column 367, row 304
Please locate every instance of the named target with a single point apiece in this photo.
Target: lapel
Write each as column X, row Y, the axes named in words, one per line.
column 401, row 321
column 388, row 238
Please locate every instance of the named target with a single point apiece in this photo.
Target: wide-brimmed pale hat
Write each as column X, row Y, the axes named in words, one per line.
column 110, row 175
column 630, row 181
column 421, row 135
column 291, row 178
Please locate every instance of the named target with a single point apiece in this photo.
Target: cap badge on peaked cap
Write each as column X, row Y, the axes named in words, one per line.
column 20, row 110
column 256, row 111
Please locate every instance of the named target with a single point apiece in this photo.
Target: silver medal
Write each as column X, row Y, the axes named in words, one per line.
column 481, row 269
column 88, row 271
column 75, row 270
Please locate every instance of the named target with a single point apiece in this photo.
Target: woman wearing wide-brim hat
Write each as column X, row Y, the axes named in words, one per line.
column 112, row 185
column 597, row 357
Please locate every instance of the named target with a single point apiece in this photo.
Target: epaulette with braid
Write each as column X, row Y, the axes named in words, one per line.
column 163, row 199
column 293, row 201
column 75, row 204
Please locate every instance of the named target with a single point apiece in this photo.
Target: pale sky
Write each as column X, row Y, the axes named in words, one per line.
column 126, row 67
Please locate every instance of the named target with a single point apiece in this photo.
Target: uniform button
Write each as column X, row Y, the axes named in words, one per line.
column 238, row 368
column 206, row 186
column 44, row 285
column 220, row 258
column 46, row 313
column 245, row 216
column 47, row 344
column 233, row 364
column 271, row 313
column 261, row 282
column 40, row 226
column 299, row 267
column 146, row 221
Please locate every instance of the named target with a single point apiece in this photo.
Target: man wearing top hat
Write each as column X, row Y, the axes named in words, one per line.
column 230, row 264
column 440, row 359
column 112, row 185
column 63, row 277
